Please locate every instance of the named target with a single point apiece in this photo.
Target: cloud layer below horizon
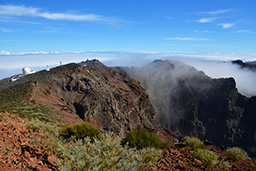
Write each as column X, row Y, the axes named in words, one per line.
column 211, row 64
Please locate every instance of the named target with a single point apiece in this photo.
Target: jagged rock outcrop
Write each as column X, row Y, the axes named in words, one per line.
column 191, row 103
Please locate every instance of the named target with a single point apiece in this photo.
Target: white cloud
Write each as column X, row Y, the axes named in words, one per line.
column 244, row 31
column 18, row 10
column 217, row 12
column 206, row 20
column 28, row 53
column 5, row 53
column 187, row 39
column 5, row 30
column 63, row 16
column 206, row 31
column 31, row 53
column 226, row 25
column 47, row 31
column 199, row 31
column 195, row 45
column 14, row 10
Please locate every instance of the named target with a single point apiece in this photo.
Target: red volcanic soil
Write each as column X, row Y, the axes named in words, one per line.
column 180, row 158
column 18, row 152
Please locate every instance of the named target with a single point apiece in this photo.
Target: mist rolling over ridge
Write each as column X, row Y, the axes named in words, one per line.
column 165, row 82
column 245, row 78
column 191, row 103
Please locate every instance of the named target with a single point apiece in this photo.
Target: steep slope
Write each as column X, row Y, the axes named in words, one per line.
column 88, row 92
column 191, row 103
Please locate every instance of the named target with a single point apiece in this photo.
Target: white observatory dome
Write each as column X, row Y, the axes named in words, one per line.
column 27, row 70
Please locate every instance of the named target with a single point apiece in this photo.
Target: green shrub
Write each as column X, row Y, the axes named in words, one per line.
column 224, row 165
column 79, row 131
column 236, row 154
column 143, row 138
column 208, row 158
column 104, row 154
column 193, row 142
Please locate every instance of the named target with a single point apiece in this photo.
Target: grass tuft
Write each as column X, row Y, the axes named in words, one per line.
column 236, row 154
column 224, row 165
column 208, row 158
column 194, row 142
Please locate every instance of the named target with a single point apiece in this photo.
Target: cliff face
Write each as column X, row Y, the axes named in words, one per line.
column 92, row 93
column 189, row 102
column 97, row 94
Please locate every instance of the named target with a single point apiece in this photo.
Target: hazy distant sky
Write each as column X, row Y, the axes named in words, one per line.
column 47, row 27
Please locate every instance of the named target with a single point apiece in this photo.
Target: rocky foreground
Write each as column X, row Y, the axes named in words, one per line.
column 19, row 152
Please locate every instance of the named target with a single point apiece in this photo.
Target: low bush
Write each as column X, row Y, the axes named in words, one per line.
column 236, row 154
column 224, row 165
column 80, row 131
column 104, row 154
column 36, row 124
column 208, row 158
column 193, row 142
column 143, row 138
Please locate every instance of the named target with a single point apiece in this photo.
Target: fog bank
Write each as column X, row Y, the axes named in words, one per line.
column 245, row 78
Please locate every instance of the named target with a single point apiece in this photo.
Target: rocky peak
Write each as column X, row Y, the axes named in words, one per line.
column 191, row 103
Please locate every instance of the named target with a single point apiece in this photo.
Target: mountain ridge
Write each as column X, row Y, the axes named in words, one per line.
column 94, row 93
column 191, row 103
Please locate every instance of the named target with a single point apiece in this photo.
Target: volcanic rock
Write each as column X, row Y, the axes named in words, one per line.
column 91, row 92
column 191, row 103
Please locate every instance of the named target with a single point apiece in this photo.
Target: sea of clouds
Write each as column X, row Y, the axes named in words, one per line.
column 213, row 65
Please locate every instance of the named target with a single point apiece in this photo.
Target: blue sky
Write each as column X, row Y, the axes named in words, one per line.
column 40, row 29
column 224, row 26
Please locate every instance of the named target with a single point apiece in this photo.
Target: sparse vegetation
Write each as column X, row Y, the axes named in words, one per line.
column 34, row 112
column 236, row 154
column 224, row 165
column 106, row 153
column 143, row 138
column 14, row 96
column 209, row 158
column 193, row 142
column 15, row 100
column 80, row 131
column 36, row 124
